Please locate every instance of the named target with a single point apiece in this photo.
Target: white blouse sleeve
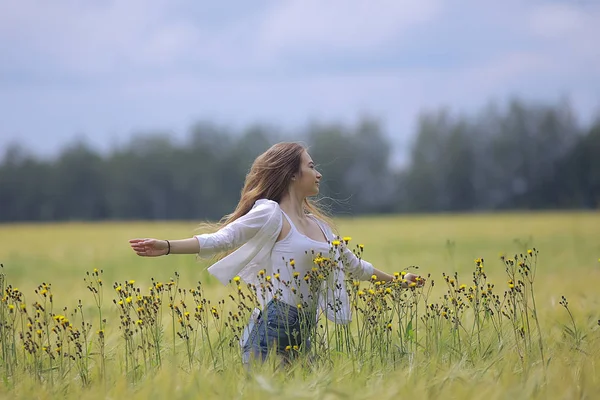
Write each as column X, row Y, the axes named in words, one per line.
column 357, row 267
column 236, row 233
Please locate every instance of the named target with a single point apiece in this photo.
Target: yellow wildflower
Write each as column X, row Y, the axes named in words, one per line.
column 236, row 279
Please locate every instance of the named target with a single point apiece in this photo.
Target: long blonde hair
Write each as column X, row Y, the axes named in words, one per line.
column 269, row 178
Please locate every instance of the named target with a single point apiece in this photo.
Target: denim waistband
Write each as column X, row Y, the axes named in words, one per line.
column 304, row 313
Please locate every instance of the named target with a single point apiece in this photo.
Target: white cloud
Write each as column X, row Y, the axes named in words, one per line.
column 112, row 67
column 558, row 20
column 94, row 38
column 316, row 27
column 571, row 29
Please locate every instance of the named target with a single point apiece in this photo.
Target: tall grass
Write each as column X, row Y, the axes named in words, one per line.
column 466, row 325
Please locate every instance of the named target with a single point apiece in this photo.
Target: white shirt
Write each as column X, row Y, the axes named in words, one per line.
column 254, row 235
column 288, row 280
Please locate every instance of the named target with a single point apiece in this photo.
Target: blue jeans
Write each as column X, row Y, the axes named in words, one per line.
column 280, row 327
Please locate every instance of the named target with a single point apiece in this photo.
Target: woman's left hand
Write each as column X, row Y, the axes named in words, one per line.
column 410, row 278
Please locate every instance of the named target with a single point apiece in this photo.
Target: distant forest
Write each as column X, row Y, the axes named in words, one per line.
column 518, row 155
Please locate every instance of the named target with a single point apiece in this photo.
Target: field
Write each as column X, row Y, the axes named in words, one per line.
column 414, row 360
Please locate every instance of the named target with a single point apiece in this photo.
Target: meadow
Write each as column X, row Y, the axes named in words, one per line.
column 511, row 309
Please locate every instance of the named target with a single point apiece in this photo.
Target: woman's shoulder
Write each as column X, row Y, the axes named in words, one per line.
column 265, row 204
column 268, row 202
column 265, row 208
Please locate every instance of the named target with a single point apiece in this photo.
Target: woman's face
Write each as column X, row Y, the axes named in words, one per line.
column 307, row 181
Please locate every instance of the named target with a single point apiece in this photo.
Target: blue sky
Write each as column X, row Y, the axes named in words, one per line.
column 105, row 70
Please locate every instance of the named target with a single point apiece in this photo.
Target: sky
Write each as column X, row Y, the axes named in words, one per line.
column 106, row 70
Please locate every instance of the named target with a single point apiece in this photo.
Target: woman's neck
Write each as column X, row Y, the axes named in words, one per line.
column 293, row 205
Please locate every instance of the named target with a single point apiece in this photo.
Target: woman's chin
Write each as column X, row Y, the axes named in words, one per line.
column 312, row 193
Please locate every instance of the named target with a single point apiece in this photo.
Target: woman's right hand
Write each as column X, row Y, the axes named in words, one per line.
column 149, row 247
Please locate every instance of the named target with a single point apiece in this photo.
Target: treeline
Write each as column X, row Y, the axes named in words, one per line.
column 515, row 156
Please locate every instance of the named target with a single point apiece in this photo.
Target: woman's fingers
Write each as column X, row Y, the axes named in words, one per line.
column 142, row 246
column 410, row 277
column 142, row 243
column 415, row 278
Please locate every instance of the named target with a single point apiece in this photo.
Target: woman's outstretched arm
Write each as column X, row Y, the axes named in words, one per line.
column 156, row 247
column 406, row 280
column 364, row 270
column 227, row 238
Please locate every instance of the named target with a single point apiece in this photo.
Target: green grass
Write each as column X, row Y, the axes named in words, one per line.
column 569, row 252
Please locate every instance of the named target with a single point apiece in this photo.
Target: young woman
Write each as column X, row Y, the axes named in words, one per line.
column 275, row 233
